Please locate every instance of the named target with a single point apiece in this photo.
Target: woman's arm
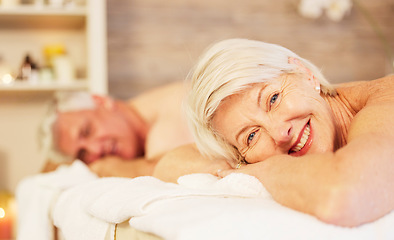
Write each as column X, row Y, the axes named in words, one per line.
column 186, row 160
column 350, row 187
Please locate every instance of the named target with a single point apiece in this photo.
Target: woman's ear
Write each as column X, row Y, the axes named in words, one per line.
column 103, row 101
column 311, row 78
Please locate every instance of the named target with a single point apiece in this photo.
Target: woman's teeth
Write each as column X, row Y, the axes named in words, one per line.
column 303, row 139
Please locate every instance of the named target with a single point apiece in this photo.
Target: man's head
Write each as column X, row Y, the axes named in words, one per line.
column 89, row 127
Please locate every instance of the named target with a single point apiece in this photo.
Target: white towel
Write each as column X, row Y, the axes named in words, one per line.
column 241, row 185
column 201, row 206
column 258, row 217
column 115, row 200
column 36, row 194
column 252, row 218
column 73, row 221
column 88, row 210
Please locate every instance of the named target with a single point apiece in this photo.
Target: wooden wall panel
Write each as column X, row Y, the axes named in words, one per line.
column 152, row 42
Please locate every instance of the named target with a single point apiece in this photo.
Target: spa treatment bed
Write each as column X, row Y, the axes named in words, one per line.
column 200, row 206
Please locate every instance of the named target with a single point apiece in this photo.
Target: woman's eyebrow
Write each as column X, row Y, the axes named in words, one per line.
column 260, row 94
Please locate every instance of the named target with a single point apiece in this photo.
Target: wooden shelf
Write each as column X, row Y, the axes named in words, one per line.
column 79, row 84
column 32, row 10
column 22, row 17
column 81, row 29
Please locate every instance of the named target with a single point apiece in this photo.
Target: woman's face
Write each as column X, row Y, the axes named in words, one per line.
column 91, row 134
column 282, row 116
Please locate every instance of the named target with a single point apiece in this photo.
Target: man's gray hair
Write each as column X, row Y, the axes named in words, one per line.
column 62, row 102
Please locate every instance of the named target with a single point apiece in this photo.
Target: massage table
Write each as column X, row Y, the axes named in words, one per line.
column 199, row 206
column 124, row 231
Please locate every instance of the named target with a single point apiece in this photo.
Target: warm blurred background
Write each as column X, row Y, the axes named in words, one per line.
column 122, row 47
column 151, row 42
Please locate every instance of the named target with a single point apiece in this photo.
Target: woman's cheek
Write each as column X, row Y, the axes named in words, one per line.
column 258, row 154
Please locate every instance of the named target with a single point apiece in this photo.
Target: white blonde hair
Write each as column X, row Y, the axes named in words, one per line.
column 62, row 102
column 227, row 68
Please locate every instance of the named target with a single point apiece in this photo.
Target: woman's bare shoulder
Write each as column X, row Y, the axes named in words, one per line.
column 382, row 90
column 377, row 114
column 369, row 92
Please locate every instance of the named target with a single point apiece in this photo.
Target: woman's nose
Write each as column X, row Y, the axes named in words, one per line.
column 282, row 133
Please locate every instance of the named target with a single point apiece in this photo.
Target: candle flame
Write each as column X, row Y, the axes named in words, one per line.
column 2, row 213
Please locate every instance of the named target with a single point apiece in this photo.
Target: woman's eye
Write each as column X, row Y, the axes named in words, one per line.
column 274, row 98
column 250, row 137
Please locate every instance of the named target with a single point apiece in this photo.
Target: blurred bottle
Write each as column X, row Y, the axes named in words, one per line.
column 28, row 70
column 58, row 60
column 46, row 75
column 63, row 69
column 51, row 51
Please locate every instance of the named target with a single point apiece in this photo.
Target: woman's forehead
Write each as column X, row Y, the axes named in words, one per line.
column 247, row 92
column 232, row 105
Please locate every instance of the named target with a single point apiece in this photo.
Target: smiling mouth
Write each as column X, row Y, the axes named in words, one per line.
column 303, row 142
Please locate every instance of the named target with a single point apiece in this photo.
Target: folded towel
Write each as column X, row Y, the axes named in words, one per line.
column 34, row 202
column 234, row 218
column 115, row 200
column 73, row 221
column 237, row 184
column 36, row 194
column 87, row 211
column 201, row 206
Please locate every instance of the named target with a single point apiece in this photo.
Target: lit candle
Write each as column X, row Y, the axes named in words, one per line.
column 6, row 216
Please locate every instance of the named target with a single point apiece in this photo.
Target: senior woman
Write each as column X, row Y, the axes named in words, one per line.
column 323, row 150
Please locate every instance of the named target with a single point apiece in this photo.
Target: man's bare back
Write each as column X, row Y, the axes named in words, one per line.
column 161, row 108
